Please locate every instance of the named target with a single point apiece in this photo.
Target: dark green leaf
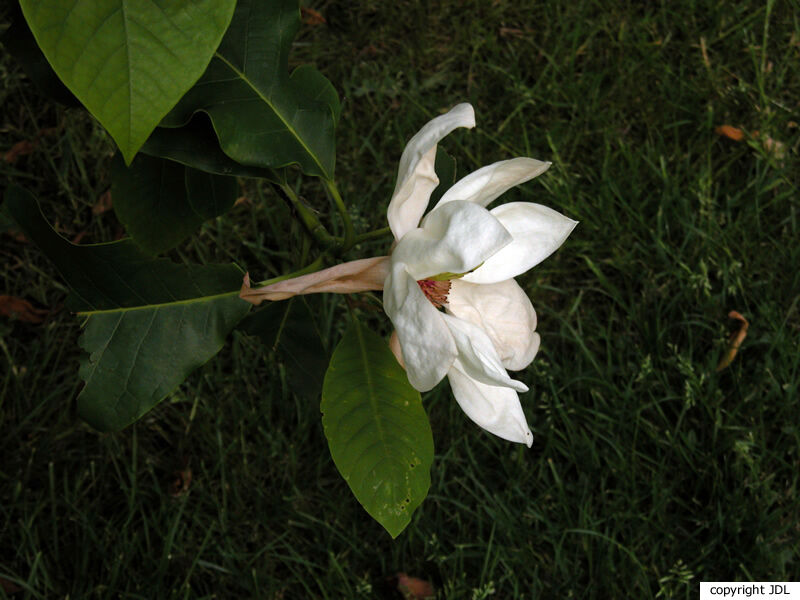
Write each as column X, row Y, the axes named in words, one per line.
column 377, row 429
column 288, row 329
column 20, row 43
column 161, row 202
column 128, row 62
column 445, row 167
column 196, row 145
column 262, row 116
column 150, row 322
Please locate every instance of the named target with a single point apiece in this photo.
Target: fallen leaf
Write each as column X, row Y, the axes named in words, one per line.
column 311, row 16
column 17, row 235
column 78, row 238
column 736, row 339
column 369, row 50
column 9, row 587
column 774, row 147
column 48, row 131
column 506, row 32
column 103, row 203
column 181, row 481
column 19, row 149
column 730, row 132
column 414, row 588
column 22, row 310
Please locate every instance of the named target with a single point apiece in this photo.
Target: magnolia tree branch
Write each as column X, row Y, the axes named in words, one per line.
column 372, row 235
column 307, row 217
column 349, row 233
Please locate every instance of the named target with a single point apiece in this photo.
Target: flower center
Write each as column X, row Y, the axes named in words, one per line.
column 435, row 291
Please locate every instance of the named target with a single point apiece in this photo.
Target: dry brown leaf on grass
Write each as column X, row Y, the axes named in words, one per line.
column 772, row 146
column 311, row 16
column 9, row 587
column 17, row 235
column 180, row 483
column 736, row 339
column 25, row 147
column 508, row 32
column 22, row 148
column 20, row 309
column 730, row 132
column 103, row 203
column 78, row 237
column 414, row 588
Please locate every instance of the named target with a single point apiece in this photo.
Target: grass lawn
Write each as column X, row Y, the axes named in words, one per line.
column 650, row 470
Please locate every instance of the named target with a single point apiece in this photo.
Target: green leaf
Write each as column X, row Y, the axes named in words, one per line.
column 263, row 116
column 161, row 202
column 377, row 429
column 128, row 62
column 445, row 167
column 196, row 145
column 150, row 322
column 289, row 330
column 20, row 43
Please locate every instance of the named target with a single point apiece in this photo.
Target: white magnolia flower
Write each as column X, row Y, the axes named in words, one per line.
column 462, row 257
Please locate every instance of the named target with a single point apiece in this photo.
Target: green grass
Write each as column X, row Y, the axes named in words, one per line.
column 649, row 472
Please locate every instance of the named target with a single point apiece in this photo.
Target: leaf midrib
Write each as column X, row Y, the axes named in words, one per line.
column 278, row 113
column 373, row 401
column 196, row 300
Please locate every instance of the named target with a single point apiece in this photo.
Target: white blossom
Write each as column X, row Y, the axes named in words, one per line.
column 462, row 257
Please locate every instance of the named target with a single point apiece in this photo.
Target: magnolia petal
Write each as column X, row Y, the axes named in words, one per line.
column 537, row 230
column 347, row 278
column 428, row 348
column 487, row 183
column 495, row 409
column 504, row 312
column 456, row 238
column 416, row 177
column 394, row 346
column 477, row 354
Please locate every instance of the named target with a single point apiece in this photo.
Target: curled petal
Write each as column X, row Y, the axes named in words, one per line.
column 504, row 312
column 487, row 183
column 347, row 278
column 537, row 230
column 428, row 348
column 496, row 409
column 416, row 177
column 477, row 355
column 456, row 238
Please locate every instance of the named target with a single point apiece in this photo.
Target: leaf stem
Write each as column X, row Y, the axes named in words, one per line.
column 349, row 232
column 371, row 235
column 309, row 219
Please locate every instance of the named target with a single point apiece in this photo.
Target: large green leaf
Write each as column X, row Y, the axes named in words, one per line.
column 150, row 322
column 288, row 329
column 196, row 145
column 377, row 429
column 162, row 202
column 263, row 116
column 128, row 62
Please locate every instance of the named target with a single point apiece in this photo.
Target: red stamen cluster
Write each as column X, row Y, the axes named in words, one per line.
column 435, row 291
